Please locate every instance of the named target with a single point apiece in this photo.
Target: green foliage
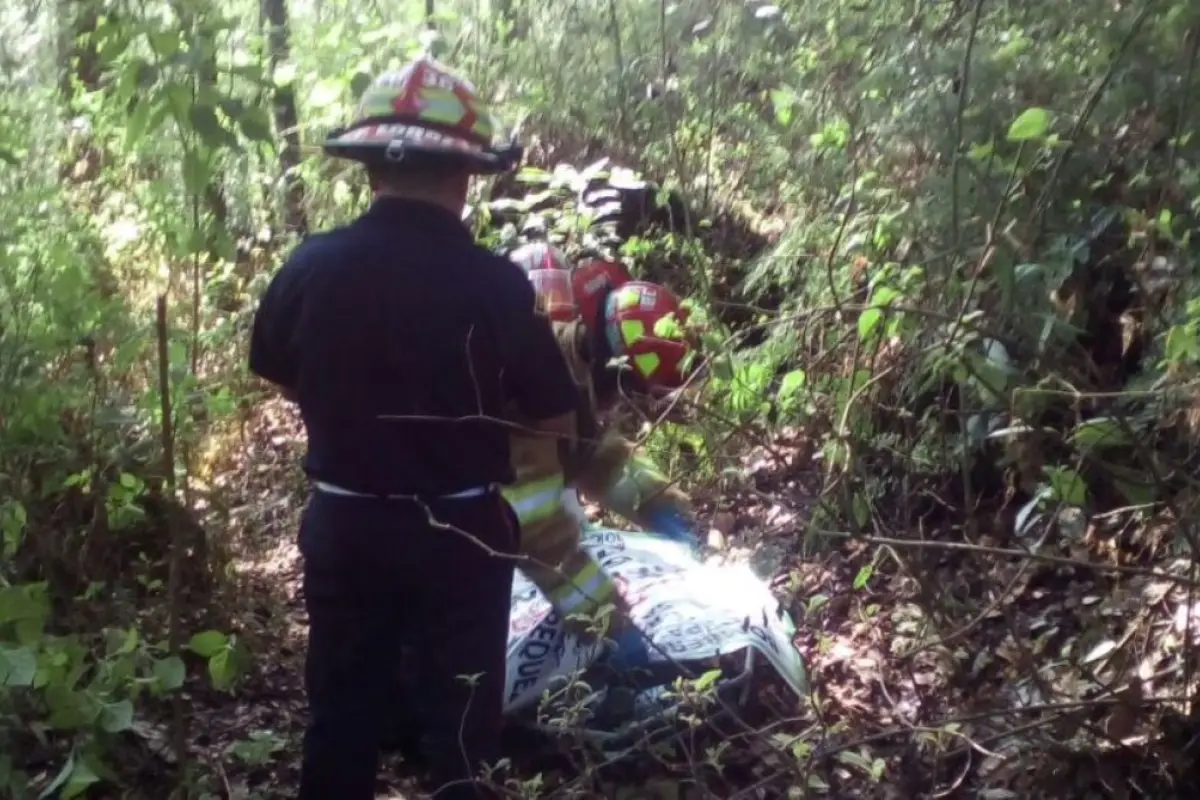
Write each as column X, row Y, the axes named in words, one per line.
column 960, row 208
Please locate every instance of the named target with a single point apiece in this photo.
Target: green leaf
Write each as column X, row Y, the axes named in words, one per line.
column 195, row 172
column 170, row 673
column 721, row 367
column 117, row 717
column 204, row 121
column 1182, row 344
column 222, row 670
column 82, row 776
column 782, row 102
column 709, row 678
column 27, row 601
column 854, row 759
column 255, row 125
column 868, row 321
column 792, row 382
column 72, row 780
column 1099, row 432
column 862, row 510
column 207, row 644
column 18, row 666
column 359, row 84
column 1032, row 123
column 864, row 575
column 1067, row 485
column 8, row 157
column 135, row 126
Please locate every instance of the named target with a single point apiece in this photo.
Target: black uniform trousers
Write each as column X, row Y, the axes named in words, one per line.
column 379, row 577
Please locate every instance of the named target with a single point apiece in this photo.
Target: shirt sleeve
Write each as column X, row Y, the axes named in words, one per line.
column 536, row 374
column 273, row 355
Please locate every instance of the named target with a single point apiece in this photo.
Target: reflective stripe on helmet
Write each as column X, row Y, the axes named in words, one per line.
column 536, row 500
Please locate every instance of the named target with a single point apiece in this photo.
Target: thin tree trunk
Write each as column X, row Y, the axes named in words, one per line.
column 287, row 120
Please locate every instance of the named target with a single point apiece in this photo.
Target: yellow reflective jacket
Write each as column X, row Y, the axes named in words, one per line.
column 604, row 467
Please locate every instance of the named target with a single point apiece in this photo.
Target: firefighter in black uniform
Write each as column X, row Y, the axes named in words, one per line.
column 403, row 343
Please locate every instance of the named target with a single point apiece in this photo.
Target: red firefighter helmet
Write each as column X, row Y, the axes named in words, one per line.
column 424, row 112
column 645, row 323
column 592, row 280
column 550, row 273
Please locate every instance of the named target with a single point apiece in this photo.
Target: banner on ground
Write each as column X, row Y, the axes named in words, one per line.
column 691, row 611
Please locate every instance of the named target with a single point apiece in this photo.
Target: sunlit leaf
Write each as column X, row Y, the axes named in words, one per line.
column 208, row 643
column 1067, row 485
column 709, row 678
column 1032, row 123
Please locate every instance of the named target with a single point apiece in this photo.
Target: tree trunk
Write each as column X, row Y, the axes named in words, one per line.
column 80, row 69
column 275, row 15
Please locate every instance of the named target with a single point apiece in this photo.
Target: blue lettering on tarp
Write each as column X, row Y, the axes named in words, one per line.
column 544, row 644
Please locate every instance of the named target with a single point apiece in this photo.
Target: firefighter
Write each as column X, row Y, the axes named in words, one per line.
column 404, row 344
column 596, row 312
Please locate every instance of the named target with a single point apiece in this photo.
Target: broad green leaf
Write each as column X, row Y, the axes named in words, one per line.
column 1099, row 432
column 195, row 171
column 1067, row 485
column 207, row 644
column 222, row 670
column 792, row 382
column 1182, row 344
column 8, row 157
column 117, row 717
column 204, row 121
column 18, row 666
column 135, row 126
column 1032, row 123
column 23, row 602
column 255, row 125
column 868, row 321
column 862, row 510
column 359, row 84
column 708, row 679
column 170, row 673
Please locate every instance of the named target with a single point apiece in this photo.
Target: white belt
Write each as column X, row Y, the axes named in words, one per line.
column 474, row 491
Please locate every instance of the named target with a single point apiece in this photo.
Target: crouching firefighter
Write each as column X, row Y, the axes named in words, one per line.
column 599, row 315
column 404, row 344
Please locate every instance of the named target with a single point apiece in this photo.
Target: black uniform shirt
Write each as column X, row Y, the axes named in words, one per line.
column 400, row 314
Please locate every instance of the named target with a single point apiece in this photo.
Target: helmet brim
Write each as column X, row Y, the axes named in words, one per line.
column 379, row 145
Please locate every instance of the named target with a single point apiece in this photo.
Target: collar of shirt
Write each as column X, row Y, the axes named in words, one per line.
column 417, row 214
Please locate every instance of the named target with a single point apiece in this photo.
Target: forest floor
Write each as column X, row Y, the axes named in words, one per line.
column 939, row 669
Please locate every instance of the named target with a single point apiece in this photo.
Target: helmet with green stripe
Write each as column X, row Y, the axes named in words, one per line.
column 425, row 114
column 645, row 323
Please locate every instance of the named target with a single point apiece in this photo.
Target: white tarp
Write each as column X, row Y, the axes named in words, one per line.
column 690, row 609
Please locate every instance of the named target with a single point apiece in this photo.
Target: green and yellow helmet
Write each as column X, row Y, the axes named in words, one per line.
column 424, row 112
